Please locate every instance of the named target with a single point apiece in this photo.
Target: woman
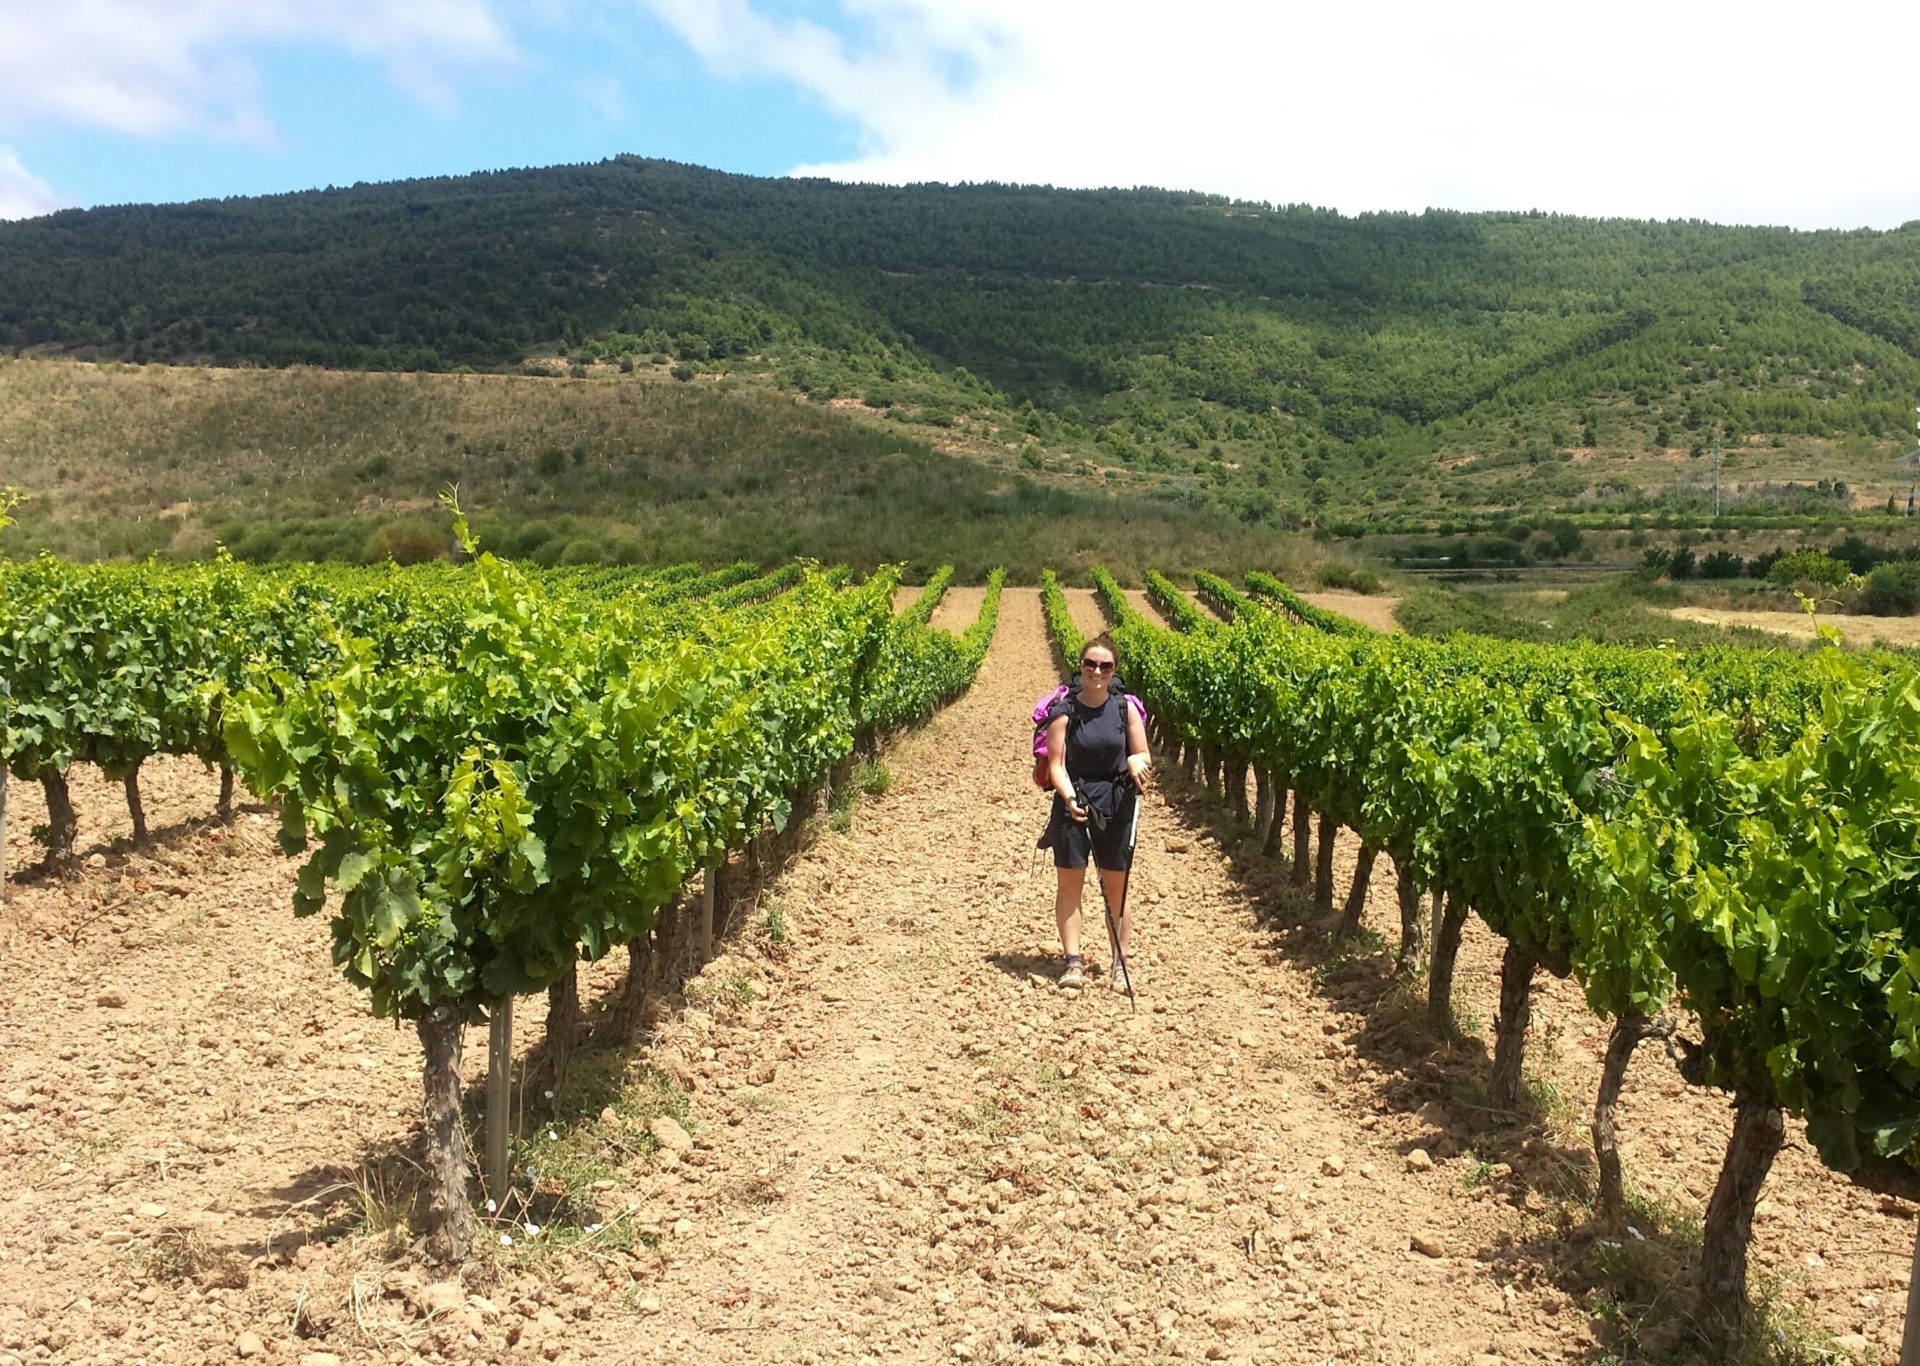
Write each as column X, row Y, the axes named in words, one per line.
column 1097, row 752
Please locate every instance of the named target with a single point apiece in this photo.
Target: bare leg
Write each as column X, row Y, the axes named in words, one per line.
column 1066, row 908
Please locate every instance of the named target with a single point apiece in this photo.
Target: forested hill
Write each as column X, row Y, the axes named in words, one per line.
column 1152, row 326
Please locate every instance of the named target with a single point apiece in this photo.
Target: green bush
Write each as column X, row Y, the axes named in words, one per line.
column 1347, row 577
column 406, row 543
column 1808, row 566
column 520, row 542
column 584, row 550
column 1892, row 590
column 256, row 545
column 1431, row 610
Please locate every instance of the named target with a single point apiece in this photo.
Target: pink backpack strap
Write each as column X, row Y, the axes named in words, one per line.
column 1045, row 705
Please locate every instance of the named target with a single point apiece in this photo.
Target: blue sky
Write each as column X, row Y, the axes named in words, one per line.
column 308, row 108
column 1681, row 108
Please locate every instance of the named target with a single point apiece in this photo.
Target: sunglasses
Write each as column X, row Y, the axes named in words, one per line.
column 1099, row 666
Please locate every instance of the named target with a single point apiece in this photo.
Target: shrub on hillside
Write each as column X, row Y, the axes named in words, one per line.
column 1892, row 590
column 1808, row 566
column 255, row 545
column 1345, row 576
column 406, row 543
column 1431, row 610
column 585, row 550
column 520, row 542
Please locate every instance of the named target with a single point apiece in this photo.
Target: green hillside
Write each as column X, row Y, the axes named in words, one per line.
column 1280, row 365
column 305, row 464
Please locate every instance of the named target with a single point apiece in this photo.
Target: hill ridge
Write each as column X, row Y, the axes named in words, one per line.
column 1298, row 361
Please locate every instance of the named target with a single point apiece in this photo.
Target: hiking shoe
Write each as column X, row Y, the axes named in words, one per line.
column 1073, row 978
column 1118, row 979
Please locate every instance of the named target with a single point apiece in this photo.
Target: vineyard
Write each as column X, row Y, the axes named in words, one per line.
column 1726, row 833
column 496, row 780
column 498, row 775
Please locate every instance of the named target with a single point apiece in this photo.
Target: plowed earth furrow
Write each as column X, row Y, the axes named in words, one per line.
column 908, row 1145
column 969, row 1163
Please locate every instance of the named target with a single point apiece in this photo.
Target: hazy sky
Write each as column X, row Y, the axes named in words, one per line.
column 1752, row 113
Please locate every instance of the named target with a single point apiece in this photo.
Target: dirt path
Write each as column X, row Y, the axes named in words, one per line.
column 1207, row 605
column 1144, row 604
column 1367, row 609
column 902, row 1142
column 1084, row 606
column 967, row 1162
column 182, row 1072
column 959, row 609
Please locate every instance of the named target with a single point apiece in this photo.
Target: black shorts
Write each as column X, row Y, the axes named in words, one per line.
column 1111, row 848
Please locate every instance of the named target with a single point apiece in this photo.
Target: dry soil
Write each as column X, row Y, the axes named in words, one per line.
column 900, row 1141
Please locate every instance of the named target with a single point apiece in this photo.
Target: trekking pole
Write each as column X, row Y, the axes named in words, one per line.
column 1099, row 822
column 1126, row 885
column 1113, row 933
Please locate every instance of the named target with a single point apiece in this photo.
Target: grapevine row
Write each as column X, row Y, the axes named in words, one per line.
column 1174, row 605
column 1302, row 611
column 493, row 774
column 924, row 606
column 1731, row 832
column 1221, row 595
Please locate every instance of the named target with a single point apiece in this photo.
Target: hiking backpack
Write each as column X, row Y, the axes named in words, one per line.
column 1043, row 717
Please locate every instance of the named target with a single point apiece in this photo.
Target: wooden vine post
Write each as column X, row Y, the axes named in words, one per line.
column 499, row 1099
column 1910, row 1337
column 9, row 499
column 709, row 882
column 6, row 714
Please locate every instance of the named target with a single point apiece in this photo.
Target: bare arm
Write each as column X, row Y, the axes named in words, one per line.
column 1057, row 765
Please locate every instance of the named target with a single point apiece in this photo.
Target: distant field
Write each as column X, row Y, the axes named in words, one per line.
column 1855, row 630
column 1375, row 610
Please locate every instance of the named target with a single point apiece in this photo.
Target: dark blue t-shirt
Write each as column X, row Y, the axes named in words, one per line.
column 1096, row 737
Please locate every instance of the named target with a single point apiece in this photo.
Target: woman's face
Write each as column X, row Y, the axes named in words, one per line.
column 1096, row 666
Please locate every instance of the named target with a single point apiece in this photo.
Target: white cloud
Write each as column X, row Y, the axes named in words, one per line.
column 1738, row 113
column 901, row 65
column 22, row 193
column 155, row 68
column 602, row 95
